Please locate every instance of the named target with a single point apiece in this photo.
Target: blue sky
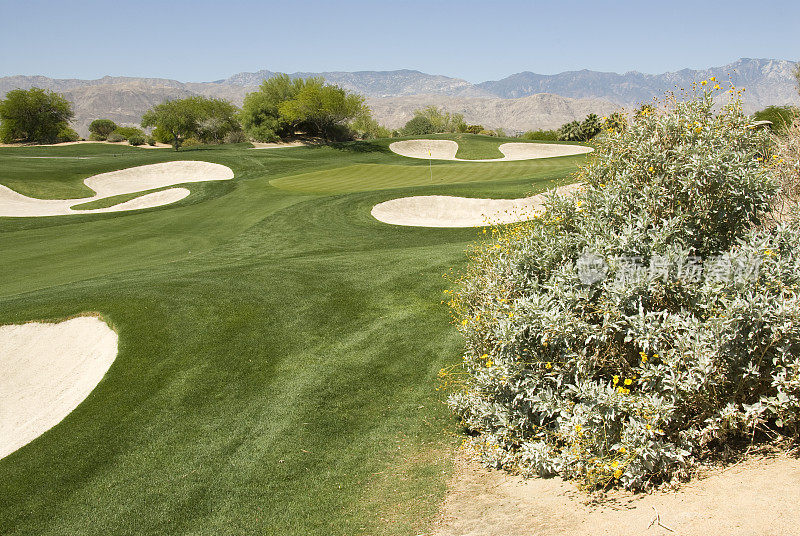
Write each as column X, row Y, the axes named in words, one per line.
column 203, row 40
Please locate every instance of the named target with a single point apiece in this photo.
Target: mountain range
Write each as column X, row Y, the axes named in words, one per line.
column 521, row 101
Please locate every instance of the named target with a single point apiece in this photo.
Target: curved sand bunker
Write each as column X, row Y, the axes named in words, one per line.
column 449, row 211
column 446, row 150
column 46, row 370
column 124, row 181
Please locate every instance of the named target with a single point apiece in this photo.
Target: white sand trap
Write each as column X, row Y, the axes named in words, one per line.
column 449, row 211
column 446, row 150
column 46, row 370
column 125, row 181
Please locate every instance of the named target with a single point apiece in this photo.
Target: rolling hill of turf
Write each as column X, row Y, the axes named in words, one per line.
column 278, row 346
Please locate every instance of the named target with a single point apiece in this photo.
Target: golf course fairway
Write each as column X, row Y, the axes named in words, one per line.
column 278, row 347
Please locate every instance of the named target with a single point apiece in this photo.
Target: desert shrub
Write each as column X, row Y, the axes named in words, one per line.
column 545, row 135
column 418, row 126
column 781, row 117
column 127, row 132
column 487, row 133
column 67, row 134
column 137, row 139
column 235, row 136
column 191, row 142
column 615, row 122
column 474, row 129
column 151, row 141
column 99, row 129
column 786, row 162
column 643, row 324
column 115, row 137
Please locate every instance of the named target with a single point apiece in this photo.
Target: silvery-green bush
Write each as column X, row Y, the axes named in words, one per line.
column 643, row 324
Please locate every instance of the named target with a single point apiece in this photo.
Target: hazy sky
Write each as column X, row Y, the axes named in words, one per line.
column 475, row 40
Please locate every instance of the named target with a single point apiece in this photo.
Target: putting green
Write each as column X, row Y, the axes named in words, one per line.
column 278, row 347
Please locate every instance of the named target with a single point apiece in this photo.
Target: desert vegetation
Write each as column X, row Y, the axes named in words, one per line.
column 284, row 106
column 646, row 324
column 192, row 121
column 35, row 116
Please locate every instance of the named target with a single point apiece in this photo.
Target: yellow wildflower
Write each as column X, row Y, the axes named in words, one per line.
column 628, row 381
column 615, row 463
column 616, row 379
column 549, row 365
column 704, row 82
column 618, row 473
column 578, row 428
column 713, row 78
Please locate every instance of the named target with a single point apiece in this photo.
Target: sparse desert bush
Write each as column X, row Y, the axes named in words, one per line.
column 151, row 141
column 544, row 135
column 474, row 129
column 644, row 324
column 99, row 129
column 115, row 137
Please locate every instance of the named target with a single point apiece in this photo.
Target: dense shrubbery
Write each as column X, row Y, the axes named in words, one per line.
column 283, row 106
column 34, row 115
column 781, row 117
column 643, row 324
column 67, row 134
column 206, row 120
column 432, row 120
column 544, row 135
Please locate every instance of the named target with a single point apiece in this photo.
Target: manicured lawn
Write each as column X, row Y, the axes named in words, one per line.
column 278, row 347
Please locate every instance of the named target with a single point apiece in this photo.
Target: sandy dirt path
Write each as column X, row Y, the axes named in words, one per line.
column 757, row 497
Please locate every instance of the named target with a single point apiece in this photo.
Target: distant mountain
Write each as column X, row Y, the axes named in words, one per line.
column 376, row 83
column 514, row 115
column 767, row 82
column 517, row 102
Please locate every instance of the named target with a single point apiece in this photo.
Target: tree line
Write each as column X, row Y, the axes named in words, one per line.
column 281, row 108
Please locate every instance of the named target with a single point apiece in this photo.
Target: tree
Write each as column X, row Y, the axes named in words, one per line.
column 178, row 119
column 218, row 118
column 208, row 120
column 99, row 129
column 419, row 125
column 323, row 109
column 591, row 126
column 261, row 117
column 34, row 115
column 571, row 131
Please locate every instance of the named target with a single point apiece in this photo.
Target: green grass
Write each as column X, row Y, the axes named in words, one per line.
column 278, row 347
column 106, row 202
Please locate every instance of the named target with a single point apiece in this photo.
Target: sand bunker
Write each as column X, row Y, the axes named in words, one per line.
column 446, row 150
column 449, row 211
column 46, row 370
column 125, row 181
